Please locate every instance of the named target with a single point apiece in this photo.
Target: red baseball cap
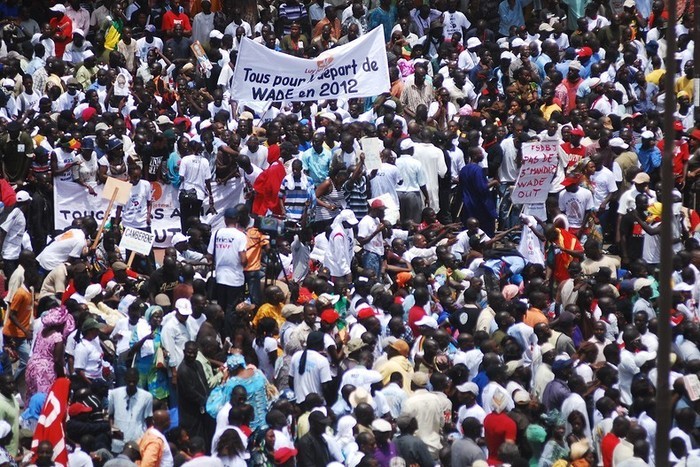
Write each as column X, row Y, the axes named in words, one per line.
column 585, row 52
column 576, row 132
column 366, row 312
column 377, row 204
column 330, row 316
column 571, row 180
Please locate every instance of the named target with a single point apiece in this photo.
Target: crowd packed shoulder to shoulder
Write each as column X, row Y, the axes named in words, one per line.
column 340, row 305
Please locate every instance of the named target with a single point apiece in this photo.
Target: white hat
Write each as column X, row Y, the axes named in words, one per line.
column 428, row 321
column 183, row 306
column 381, row 425
column 575, row 65
column 473, row 42
column 179, row 237
column 521, row 397
column 79, row 32
column 682, row 287
column 330, row 298
column 618, row 143
column 640, row 283
column 204, row 124
column 390, row 103
column 346, row 215
column 5, row 429
column 629, row 4
column 22, row 196
column 647, row 135
column 640, row 358
column 58, row 8
column 216, row 34
column 517, row 42
column 329, row 115
column 546, row 27
column 593, row 82
column 546, row 347
column 507, row 54
column 164, row 120
column 406, row 144
column 8, row 82
column 92, row 291
column 101, row 126
column 468, row 387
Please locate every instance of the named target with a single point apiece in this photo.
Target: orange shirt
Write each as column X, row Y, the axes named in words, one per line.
column 534, row 316
column 21, row 306
column 256, row 242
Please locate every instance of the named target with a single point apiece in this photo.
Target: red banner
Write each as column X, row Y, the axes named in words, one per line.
column 53, row 416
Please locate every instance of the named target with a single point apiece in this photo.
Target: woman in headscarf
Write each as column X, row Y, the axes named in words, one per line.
column 47, row 361
column 345, row 437
column 254, row 382
column 150, row 357
column 555, row 448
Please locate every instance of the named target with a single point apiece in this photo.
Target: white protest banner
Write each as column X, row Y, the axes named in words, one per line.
column 72, row 201
column 137, row 240
column 356, row 69
column 539, row 166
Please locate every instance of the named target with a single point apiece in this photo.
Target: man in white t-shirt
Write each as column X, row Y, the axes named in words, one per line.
column 69, row 246
column 604, row 189
column 136, row 213
column 12, row 231
column 454, row 21
column 309, row 371
column 228, row 250
column 369, row 236
column 575, row 203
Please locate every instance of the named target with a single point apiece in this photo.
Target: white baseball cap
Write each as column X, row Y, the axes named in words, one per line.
column 59, row 7
column 183, row 307
column 22, row 197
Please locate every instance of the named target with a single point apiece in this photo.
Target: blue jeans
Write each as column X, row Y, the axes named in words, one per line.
column 372, row 261
column 253, row 280
column 23, row 349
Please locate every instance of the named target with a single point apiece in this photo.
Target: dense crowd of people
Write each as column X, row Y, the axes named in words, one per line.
column 406, row 314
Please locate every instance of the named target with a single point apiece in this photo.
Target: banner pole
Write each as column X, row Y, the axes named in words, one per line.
column 108, row 211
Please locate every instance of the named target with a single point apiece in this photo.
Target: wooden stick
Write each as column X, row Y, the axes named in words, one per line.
column 131, row 259
column 104, row 219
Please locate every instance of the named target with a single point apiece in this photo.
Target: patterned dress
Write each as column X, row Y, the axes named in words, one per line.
column 40, row 373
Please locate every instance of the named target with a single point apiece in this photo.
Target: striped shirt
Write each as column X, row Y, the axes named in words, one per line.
column 356, row 196
column 291, row 13
column 295, row 195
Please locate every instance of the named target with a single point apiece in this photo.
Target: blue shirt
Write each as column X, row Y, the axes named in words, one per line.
column 316, row 164
column 387, row 18
column 649, row 159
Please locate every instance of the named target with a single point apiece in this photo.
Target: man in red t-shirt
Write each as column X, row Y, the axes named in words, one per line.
column 61, row 28
column 681, row 155
column 621, row 426
column 417, row 311
column 176, row 16
column 573, row 147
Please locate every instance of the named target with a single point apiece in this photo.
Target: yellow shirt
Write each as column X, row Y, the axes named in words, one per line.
column 685, row 84
column 268, row 310
column 655, row 76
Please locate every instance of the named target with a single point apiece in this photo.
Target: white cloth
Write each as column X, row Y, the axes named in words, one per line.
column 68, row 245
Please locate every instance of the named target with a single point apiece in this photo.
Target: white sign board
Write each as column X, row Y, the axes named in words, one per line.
column 372, row 147
column 539, row 166
column 136, row 240
column 357, row 69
